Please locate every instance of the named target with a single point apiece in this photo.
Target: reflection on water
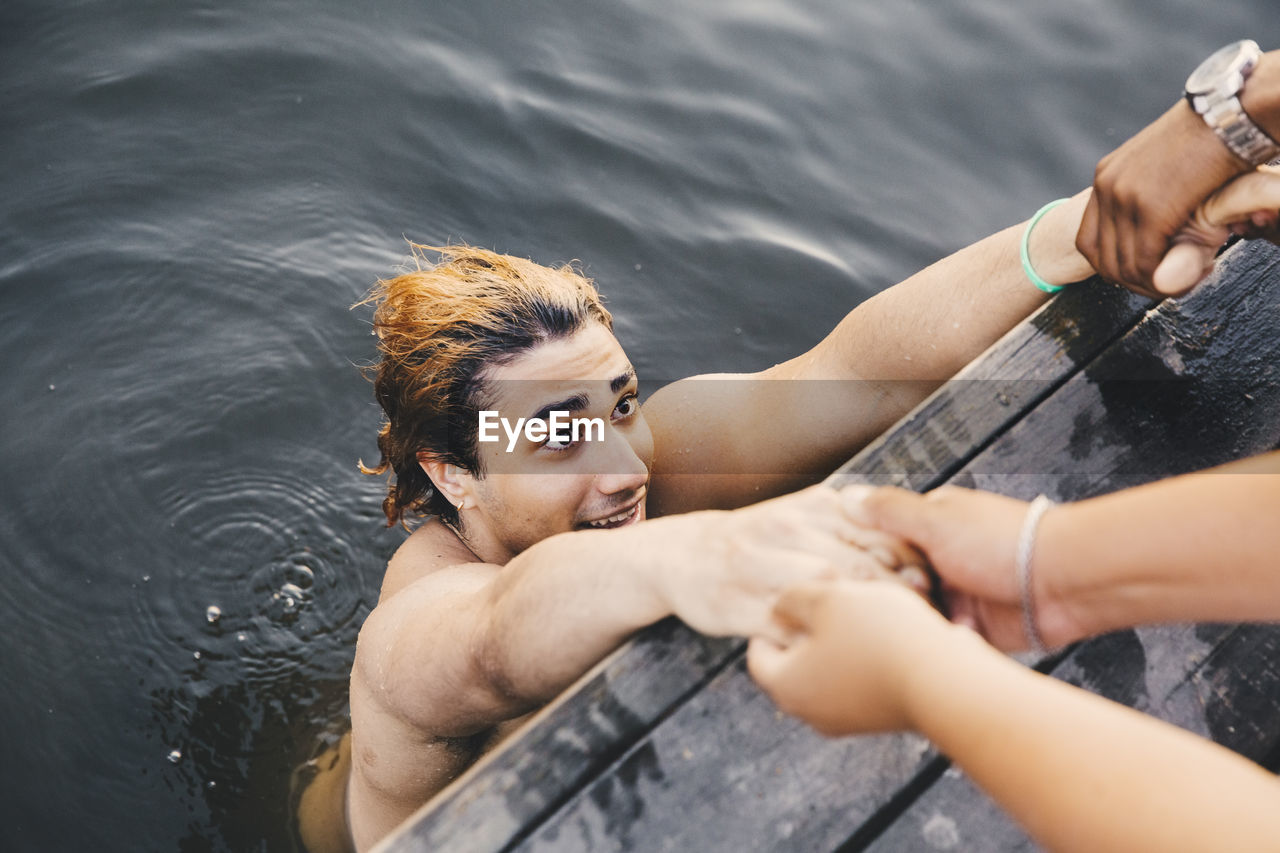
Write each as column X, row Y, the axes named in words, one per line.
column 195, row 193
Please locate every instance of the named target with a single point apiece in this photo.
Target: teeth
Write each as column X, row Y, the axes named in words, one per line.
column 622, row 516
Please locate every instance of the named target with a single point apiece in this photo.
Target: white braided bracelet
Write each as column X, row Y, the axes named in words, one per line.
column 1026, row 546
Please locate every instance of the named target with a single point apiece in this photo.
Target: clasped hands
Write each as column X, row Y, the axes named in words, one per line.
column 834, row 637
column 1165, row 200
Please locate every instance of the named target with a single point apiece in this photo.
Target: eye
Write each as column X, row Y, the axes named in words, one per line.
column 627, row 406
column 558, row 446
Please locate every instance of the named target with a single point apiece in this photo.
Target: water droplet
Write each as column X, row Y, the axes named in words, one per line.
column 306, row 576
column 637, row 268
column 213, row 613
column 737, row 330
column 51, row 387
column 242, row 636
column 196, row 655
column 175, row 756
column 292, row 590
column 146, row 578
column 211, row 785
column 1002, row 398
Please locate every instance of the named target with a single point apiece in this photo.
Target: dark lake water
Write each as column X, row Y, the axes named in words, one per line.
column 194, row 193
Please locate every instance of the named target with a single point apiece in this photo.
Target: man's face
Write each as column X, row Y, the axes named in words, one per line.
column 540, row 488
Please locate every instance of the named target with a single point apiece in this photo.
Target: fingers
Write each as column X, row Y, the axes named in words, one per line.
column 890, row 551
column 887, row 508
column 1248, row 201
column 1258, row 190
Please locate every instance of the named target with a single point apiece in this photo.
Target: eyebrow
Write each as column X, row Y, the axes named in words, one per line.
column 578, row 402
column 622, row 380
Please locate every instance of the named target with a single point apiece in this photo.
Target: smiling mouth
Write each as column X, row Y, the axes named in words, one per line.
column 622, row 519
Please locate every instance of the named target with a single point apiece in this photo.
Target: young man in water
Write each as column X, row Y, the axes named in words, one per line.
column 532, row 564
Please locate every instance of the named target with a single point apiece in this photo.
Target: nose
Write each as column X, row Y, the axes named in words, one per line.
column 622, row 466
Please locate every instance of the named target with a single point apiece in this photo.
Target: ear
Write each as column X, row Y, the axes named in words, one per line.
column 456, row 484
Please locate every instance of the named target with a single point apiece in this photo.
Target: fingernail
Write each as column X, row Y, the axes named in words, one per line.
column 916, row 578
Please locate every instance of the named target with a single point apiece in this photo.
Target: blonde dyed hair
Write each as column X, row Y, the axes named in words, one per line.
column 440, row 327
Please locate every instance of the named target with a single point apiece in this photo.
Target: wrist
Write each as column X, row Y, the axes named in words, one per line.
column 676, row 543
column 934, row 680
column 1076, row 592
column 1051, row 246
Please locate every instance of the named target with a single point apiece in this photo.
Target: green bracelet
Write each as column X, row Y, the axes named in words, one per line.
column 1026, row 253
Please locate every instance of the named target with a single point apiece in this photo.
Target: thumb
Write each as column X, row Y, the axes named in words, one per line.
column 766, row 661
column 1182, row 267
column 797, row 607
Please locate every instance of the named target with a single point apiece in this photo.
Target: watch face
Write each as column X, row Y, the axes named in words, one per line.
column 1225, row 62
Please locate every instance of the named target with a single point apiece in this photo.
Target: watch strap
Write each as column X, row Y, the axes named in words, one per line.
column 1240, row 133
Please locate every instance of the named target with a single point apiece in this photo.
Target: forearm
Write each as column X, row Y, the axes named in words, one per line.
column 1082, row 773
column 1200, row 547
column 562, row 605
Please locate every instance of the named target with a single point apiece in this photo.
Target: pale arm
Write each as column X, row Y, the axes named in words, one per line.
column 741, row 432
column 1077, row 771
column 1200, row 547
column 1082, row 773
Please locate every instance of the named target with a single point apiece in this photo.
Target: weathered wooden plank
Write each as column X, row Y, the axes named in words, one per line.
column 1196, row 384
column 567, row 743
column 726, row 771
column 654, row 791
column 514, row 788
column 996, row 389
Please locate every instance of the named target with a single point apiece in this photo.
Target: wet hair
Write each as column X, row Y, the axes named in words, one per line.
column 440, row 327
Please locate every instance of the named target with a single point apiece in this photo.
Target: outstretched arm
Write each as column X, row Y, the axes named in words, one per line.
column 737, row 434
column 466, row 647
column 1200, row 547
column 747, row 436
column 1077, row 771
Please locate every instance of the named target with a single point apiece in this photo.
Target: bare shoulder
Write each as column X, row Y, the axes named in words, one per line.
column 430, row 549
column 416, row 654
column 421, row 712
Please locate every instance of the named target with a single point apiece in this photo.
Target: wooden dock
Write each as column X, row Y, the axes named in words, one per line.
column 668, row 745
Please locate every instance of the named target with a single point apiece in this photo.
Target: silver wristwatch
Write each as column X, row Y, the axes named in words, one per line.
column 1213, row 90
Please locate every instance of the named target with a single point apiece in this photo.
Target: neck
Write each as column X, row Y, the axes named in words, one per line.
column 481, row 542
